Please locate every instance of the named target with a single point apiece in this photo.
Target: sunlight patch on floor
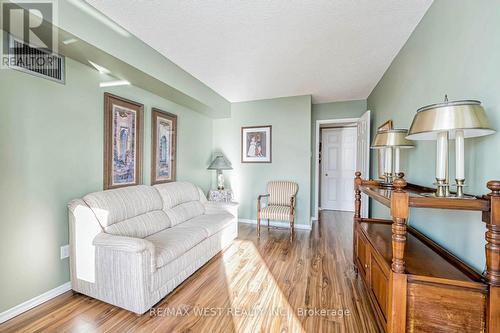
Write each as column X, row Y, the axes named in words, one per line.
column 256, row 293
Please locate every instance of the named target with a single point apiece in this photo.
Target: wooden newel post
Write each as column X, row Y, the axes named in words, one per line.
column 396, row 322
column 399, row 213
column 493, row 257
column 357, row 213
column 357, row 195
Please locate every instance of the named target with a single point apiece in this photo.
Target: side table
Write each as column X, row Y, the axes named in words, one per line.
column 220, row 195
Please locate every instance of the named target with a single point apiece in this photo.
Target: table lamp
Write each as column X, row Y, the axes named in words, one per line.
column 450, row 120
column 392, row 141
column 220, row 163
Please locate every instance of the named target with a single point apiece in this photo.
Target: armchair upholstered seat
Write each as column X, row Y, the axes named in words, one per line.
column 275, row 213
column 281, row 203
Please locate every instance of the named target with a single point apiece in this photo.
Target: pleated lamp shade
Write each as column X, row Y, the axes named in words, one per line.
column 220, row 163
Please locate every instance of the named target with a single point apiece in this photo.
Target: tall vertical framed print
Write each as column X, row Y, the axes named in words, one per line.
column 122, row 142
column 163, row 146
column 256, row 144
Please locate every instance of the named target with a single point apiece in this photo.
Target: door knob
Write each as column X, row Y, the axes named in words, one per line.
column 326, row 174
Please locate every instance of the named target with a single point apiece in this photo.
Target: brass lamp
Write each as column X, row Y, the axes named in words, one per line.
column 220, row 163
column 450, row 120
column 391, row 141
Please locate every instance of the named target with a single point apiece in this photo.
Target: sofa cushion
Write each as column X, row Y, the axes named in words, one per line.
column 181, row 201
column 134, row 211
column 212, row 223
column 184, row 212
column 140, row 226
column 176, row 193
column 174, row 242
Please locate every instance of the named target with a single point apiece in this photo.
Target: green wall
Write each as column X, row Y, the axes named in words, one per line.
column 51, row 139
column 290, row 118
column 337, row 110
column 324, row 111
column 455, row 50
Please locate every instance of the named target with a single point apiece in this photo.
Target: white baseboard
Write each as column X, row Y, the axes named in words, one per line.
column 30, row 304
column 278, row 224
column 313, row 218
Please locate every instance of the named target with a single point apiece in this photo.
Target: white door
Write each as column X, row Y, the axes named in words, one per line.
column 338, row 164
column 363, row 156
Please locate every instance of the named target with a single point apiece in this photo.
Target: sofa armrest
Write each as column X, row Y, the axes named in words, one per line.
column 127, row 246
column 122, row 243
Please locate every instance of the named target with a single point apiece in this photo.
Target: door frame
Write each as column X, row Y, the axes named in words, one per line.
column 316, row 155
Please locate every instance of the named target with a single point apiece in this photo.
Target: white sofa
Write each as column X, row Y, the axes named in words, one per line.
column 132, row 246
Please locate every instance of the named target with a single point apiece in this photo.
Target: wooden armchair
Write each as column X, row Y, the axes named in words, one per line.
column 281, row 203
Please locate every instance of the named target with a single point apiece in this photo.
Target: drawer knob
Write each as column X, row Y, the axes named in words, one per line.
column 366, row 265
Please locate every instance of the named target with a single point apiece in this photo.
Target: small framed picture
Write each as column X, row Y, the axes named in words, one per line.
column 163, row 146
column 122, row 142
column 256, row 144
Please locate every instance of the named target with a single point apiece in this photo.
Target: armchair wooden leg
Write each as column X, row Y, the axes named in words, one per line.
column 258, row 218
column 258, row 225
column 267, row 224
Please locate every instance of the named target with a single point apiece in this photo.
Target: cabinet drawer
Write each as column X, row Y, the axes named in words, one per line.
column 379, row 285
column 362, row 252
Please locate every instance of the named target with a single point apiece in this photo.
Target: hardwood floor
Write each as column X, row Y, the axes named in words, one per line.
column 274, row 280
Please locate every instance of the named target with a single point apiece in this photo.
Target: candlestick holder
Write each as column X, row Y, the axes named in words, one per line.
column 443, row 188
column 460, row 183
column 388, row 179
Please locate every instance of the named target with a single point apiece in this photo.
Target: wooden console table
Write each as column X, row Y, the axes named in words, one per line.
column 415, row 285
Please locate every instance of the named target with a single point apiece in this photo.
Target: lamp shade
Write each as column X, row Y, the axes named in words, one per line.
column 220, row 163
column 466, row 115
column 391, row 138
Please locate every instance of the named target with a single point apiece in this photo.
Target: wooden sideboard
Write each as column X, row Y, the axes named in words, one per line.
column 415, row 285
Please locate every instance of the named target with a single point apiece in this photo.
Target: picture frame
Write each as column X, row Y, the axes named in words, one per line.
column 381, row 152
column 123, row 140
column 256, row 144
column 163, row 146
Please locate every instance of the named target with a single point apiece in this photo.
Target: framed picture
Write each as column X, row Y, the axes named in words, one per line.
column 381, row 152
column 122, row 142
column 163, row 146
column 256, row 144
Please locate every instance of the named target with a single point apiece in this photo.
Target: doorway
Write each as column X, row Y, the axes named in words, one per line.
column 361, row 155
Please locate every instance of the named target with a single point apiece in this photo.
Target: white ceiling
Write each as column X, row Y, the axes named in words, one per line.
column 335, row 50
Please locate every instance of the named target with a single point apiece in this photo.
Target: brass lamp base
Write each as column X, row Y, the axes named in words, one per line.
column 387, row 180
column 443, row 189
column 460, row 183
